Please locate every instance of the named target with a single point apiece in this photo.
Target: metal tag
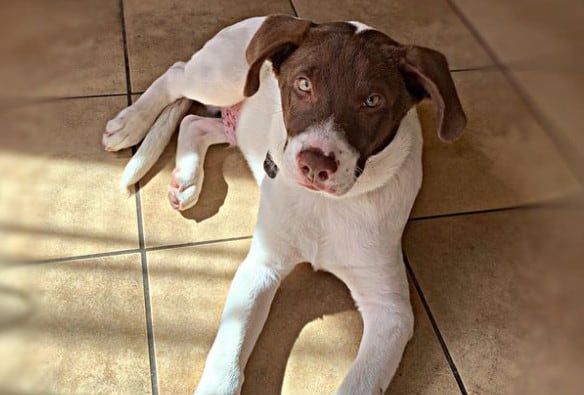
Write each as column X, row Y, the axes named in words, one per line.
column 270, row 167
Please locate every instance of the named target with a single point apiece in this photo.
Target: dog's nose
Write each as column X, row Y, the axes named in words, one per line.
column 314, row 164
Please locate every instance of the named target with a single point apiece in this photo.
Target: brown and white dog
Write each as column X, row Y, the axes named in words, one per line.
column 329, row 115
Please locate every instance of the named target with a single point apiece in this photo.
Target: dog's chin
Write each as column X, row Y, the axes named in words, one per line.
column 333, row 191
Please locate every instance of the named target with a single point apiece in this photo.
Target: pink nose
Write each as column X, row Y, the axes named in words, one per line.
column 314, row 164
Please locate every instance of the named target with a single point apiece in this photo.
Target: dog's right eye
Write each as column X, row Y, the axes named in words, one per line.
column 372, row 101
column 303, row 84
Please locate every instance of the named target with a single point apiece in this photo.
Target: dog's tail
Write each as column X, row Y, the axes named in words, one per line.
column 154, row 143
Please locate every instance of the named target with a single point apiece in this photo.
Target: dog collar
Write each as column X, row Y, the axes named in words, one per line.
column 270, row 167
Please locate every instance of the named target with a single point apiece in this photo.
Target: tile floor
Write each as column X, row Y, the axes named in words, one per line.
column 105, row 293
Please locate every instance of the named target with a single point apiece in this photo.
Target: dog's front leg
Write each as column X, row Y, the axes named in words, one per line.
column 383, row 300
column 246, row 309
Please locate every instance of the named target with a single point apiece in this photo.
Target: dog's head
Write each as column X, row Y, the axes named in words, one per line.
column 344, row 92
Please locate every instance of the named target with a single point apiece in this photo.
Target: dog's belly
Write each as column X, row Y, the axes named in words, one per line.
column 230, row 117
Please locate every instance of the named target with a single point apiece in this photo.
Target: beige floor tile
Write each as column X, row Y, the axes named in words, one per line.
column 559, row 96
column 532, row 34
column 540, row 43
column 506, row 291
column 59, row 191
column 74, row 328
column 161, row 33
column 503, row 159
column 432, row 23
column 189, row 287
column 61, row 48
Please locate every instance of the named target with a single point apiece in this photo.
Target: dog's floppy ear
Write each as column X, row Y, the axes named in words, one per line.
column 426, row 75
column 275, row 40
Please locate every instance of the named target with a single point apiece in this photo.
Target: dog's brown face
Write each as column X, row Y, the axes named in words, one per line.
column 344, row 93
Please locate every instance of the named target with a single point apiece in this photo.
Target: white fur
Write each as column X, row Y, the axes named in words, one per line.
column 357, row 236
column 360, row 26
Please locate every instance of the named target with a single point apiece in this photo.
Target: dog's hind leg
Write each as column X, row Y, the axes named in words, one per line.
column 215, row 75
column 196, row 135
column 130, row 126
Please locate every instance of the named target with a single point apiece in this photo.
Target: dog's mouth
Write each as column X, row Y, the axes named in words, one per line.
column 317, row 187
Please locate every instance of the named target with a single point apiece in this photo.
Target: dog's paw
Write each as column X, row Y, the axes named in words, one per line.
column 125, row 130
column 184, row 190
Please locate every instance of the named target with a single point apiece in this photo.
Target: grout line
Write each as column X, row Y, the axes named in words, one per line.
column 563, row 146
column 293, row 7
column 195, row 243
column 70, row 258
column 477, row 68
column 437, row 332
column 147, row 295
column 27, row 101
column 149, row 324
column 140, row 224
column 9, row 264
column 490, row 210
column 139, row 217
column 126, row 57
column 19, row 102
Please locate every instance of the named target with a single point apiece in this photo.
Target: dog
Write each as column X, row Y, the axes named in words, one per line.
column 325, row 115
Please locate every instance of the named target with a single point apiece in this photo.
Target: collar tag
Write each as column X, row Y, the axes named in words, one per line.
column 270, row 167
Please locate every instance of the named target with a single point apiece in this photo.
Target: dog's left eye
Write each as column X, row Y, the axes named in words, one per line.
column 372, row 101
column 303, row 84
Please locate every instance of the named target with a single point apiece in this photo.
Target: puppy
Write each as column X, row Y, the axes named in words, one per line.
column 325, row 117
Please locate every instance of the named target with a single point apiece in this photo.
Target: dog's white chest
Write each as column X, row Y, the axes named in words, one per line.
column 329, row 234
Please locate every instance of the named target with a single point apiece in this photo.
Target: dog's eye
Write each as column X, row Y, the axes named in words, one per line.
column 303, row 84
column 372, row 101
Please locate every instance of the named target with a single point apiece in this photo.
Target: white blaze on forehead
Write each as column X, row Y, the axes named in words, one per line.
column 323, row 135
column 360, row 26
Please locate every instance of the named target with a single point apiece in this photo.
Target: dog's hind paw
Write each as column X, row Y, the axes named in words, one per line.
column 127, row 129
column 183, row 194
